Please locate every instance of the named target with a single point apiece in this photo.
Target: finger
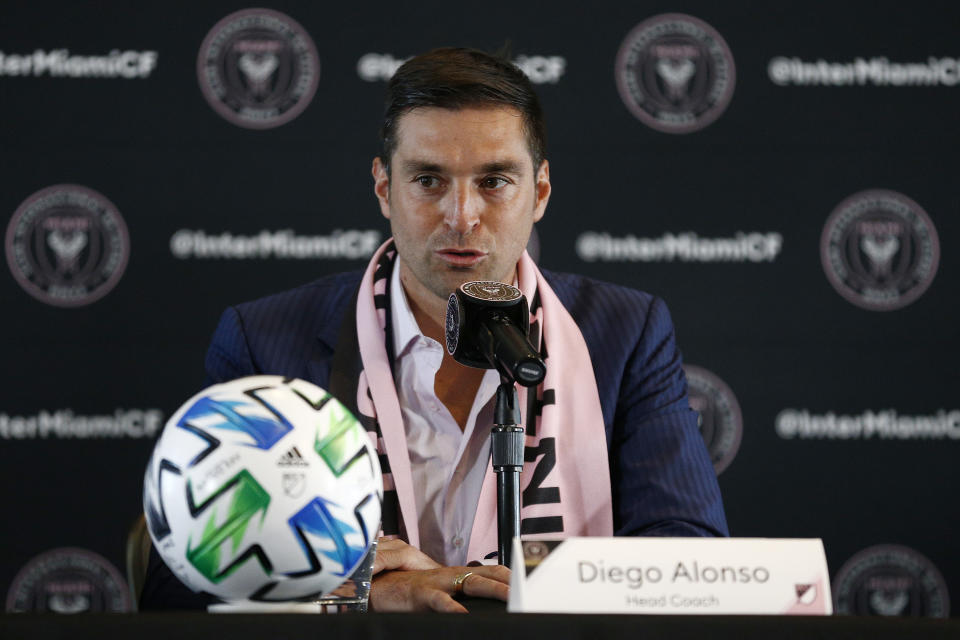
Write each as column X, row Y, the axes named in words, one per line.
column 493, row 572
column 441, row 602
column 382, row 561
column 396, row 554
column 404, row 559
column 477, row 586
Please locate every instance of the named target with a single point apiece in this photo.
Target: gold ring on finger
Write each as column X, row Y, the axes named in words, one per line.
column 458, row 582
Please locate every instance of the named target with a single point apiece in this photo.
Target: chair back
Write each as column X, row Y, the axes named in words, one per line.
column 137, row 556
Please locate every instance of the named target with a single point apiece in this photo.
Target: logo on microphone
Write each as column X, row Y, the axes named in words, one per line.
column 452, row 323
column 720, row 419
column 258, row 68
column 68, row 580
column 890, row 580
column 67, row 245
column 675, row 73
column 491, row 291
column 879, row 250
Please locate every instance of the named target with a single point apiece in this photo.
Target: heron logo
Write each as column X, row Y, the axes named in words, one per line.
column 675, row 73
column 68, row 580
column 890, row 580
column 258, row 68
column 67, row 245
column 720, row 419
column 491, row 291
column 879, row 250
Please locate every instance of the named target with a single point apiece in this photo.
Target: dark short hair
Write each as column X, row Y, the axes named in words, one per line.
column 456, row 78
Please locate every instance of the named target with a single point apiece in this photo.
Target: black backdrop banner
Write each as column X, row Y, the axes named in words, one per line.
column 784, row 176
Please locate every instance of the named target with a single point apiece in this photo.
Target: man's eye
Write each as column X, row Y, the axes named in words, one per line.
column 428, row 182
column 493, row 182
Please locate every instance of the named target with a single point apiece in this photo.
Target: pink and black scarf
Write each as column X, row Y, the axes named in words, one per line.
column 565, row 483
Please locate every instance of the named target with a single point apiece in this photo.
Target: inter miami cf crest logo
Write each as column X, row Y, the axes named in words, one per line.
column 67, row 245
column 258, row 68
column 68, row 580
column 491, row 291
column 721, row 423
column 675, row 73
column 890, row 580
column 879, row 250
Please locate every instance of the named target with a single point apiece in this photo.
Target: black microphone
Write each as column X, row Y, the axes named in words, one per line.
column 486, row 328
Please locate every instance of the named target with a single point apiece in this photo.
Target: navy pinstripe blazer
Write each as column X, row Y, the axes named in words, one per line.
column 663, row 481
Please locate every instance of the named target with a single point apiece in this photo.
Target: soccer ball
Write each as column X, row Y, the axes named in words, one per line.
column 263, row 488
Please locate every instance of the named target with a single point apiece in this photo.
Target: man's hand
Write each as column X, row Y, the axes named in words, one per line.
column 397, row 554
column 406, row 579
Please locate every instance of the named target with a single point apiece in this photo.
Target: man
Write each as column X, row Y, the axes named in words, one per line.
column 612, row 445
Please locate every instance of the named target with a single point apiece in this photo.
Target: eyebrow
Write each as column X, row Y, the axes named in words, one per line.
column 503, row 166
column 415, row 166
column 500, row 166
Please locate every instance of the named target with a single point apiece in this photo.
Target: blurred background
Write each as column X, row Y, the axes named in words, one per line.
column 783, row 175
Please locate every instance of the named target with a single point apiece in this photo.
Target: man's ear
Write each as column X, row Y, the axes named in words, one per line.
column 542, row 190
column 381, row 186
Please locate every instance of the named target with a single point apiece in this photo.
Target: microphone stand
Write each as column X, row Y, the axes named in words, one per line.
column 507, row 457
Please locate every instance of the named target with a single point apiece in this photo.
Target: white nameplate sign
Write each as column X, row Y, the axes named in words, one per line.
column 670, row 575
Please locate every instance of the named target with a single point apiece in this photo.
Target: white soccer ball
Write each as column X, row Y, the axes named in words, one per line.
column 263, row 488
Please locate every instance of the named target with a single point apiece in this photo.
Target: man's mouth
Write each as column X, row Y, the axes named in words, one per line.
column 461, row 257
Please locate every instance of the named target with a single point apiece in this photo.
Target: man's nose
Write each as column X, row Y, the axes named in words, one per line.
column 463, row 209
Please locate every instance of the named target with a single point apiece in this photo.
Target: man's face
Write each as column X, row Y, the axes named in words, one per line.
column 461, row 197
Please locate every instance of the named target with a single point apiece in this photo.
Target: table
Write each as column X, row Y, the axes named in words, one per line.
column 475, row 626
